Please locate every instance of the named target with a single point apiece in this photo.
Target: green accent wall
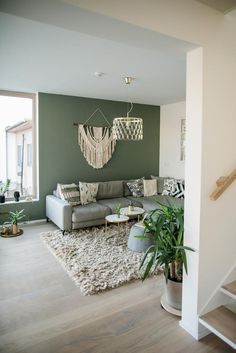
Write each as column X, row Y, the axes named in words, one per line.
column 60, row 158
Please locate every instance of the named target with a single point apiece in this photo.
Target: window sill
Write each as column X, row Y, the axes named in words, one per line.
column 16, row 202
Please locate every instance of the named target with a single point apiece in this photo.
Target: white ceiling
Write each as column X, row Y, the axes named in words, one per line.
column 220, row 5
column 56, row 47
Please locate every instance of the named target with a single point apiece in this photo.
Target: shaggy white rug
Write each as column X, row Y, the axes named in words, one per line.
column 95, row 260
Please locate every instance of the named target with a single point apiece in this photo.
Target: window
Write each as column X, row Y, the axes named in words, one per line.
column 19, row 155
column 18, row 160
column 29, row 155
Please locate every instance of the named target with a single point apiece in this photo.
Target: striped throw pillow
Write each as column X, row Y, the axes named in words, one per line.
column 69, row 193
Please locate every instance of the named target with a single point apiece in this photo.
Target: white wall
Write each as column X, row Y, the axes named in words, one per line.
column 170, row 132
column 211, row 107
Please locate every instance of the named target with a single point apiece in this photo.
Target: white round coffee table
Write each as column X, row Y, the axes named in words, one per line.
column 136, row 211
column 113, row 218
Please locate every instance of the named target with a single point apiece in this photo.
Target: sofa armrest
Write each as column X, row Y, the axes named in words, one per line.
column 59, row 212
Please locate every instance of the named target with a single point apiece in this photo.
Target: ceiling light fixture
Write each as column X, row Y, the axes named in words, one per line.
column 128, row 128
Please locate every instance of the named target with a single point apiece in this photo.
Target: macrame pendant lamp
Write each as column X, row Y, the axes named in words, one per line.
column 128, row 128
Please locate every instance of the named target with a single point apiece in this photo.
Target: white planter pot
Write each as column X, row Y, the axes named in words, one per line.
column 173, row 294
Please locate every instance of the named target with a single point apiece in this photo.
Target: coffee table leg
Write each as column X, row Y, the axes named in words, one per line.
column 106, row 226
column 119, row 228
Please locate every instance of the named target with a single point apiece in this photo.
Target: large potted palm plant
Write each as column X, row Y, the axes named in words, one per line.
column 166, row 224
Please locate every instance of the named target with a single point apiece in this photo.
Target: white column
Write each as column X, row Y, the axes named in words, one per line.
column 194, row 116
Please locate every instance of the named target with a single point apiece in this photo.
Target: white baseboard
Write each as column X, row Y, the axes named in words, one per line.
column 28, row 223
column 36, row 221
column 198, row 333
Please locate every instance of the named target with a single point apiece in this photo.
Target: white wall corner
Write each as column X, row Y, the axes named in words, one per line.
column 198, row 331
column 193, row 169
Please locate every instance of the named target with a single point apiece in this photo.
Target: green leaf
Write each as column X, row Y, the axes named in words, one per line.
column 141, row 237
column 149, row 250
column 148, row 268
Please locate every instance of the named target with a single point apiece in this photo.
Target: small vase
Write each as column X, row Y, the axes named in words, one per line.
column 14, row 229
column 2, row 199
column 131, row 208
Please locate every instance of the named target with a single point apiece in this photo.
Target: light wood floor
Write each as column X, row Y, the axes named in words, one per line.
column 41, row 310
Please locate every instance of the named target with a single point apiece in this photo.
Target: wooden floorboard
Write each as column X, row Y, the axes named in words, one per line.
column 41, row 310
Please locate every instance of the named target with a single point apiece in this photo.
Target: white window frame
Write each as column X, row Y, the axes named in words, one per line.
column 35, row 178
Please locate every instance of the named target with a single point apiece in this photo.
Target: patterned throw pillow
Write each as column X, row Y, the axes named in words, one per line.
column 173, row 187
column 179, row 190
column 169, row 187
column 136, row 187
column 69, row 193
column 88, row 192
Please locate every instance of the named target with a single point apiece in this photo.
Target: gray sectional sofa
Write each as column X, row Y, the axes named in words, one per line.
column 110, row 194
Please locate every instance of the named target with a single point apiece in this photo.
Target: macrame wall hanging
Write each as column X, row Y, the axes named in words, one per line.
column 96, row 143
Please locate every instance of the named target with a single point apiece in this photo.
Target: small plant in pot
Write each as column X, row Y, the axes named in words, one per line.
column 117, row 209
column 4, row 187
column 166, row 224
column 15, row 217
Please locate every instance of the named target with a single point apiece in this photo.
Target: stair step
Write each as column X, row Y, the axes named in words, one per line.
column 222, row 322
column 231, row 307
column 230, row 289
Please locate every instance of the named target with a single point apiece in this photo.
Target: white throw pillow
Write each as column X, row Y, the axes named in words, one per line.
column 69, row 193
column 88, row 192
column 150, row 187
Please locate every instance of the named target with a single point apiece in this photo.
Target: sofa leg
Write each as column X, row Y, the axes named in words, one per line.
column 47, row 219
column 63, row 232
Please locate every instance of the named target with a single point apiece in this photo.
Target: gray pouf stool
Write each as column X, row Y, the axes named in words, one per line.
column 136, row 244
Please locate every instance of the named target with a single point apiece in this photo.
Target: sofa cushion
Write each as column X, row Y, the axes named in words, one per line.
column 89, row 212
column 170, row 201
column 113, row 203
column 69, row 193
column 127, row 191
column 110, row 190
column 150, row 187
column 88, row 192
column 150, row 203
column 160, row 183
column 173, row 187
column 146, row 202
column 169, row 187
column 136, row 187
column 135, row 201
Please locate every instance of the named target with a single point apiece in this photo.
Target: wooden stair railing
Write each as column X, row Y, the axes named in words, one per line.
column 222, row 184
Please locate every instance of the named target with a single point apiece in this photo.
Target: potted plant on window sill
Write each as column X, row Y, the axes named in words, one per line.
column 4, row 187
column 166, row 224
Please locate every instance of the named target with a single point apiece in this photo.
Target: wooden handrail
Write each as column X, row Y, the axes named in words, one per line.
column 222, row 184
